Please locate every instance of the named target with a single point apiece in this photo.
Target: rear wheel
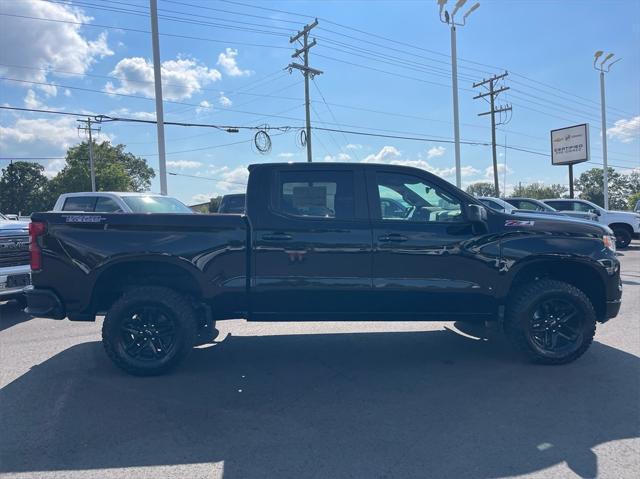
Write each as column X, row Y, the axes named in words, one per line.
column 623, row 236
column 149, row 330
column 552, row 322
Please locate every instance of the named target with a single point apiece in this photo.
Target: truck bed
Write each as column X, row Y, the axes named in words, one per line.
column 87, row 249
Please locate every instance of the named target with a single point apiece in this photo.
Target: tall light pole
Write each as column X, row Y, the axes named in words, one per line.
column 449, row 19
column 157, row 79
column 602, row 68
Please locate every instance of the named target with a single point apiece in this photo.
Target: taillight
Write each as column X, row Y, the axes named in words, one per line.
column 35, row 253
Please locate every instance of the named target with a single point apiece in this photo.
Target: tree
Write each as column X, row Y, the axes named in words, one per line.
column 590, row 184
column 539, row 191
column 633, row 200
column 23, row 188
column 116, row 170
column 481, row 189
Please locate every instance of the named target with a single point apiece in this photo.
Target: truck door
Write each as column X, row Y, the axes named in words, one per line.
column 311, row 243
column 427, row 261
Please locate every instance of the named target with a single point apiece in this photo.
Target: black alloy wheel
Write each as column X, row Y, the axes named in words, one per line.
column 556, row 327
column 148, row 333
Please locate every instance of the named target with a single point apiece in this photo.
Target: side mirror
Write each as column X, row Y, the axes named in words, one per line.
column 476, row 213
column 595, row 212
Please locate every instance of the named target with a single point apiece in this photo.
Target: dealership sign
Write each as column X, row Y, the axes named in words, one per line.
column 570, row 145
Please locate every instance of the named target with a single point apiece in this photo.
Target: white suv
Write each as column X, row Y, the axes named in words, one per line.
column 625, row 224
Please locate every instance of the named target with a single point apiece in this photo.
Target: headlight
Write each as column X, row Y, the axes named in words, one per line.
column 609, row 242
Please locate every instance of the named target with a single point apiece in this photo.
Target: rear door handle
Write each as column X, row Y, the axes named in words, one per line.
column 392, row 238
column 277, row 237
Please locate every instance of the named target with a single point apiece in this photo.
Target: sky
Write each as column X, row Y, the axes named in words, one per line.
column 386, row 71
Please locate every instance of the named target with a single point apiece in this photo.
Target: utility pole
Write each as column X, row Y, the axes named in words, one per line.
column 604, row 69
column 449, row 19
column 85, row 125
column 492, row 94
column 157, row 77
column 307, row 71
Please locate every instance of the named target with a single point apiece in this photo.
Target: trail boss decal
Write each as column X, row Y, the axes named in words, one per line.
column 519, row 223
column 84, row 219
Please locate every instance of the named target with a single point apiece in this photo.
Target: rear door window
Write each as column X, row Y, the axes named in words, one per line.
column 80, row 203
column 316, row 194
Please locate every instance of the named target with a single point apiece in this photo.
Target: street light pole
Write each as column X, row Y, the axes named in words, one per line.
column 449, row 19
column 605, row 166
column 456, row 118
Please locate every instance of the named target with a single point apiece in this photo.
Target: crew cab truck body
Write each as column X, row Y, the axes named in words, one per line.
column 317, row 243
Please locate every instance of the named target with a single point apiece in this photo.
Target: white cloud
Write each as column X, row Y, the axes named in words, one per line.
column 353, row 146
column 42, row 137
column 436, row 152
column 204, row 105
column 338, row 157
column 625, row 130
column 386, row 155
column 224, row 101
column 227, row 60
column 230, row 180
column 488, row 171
column 67, row 92
column 184, row 164
column 202, row 198
column 31, row 100
column 52, row 45
column 286, row 155
column 138, row 115
column 391, row 155
column 181, row 78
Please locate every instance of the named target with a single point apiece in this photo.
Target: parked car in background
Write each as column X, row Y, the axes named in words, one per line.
column 15, row 273
column 497, row 204
column 625, row 224
column 530, row 204
column 317, row 244
column 11, row 217
column 232, row 204
column 119, row 202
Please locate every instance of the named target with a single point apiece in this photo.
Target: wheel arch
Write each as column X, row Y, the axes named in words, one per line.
column 114, row 279
column 625, row 226
column 578, row 273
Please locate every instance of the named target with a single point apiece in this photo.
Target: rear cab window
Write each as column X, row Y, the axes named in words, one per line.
column 79, row 203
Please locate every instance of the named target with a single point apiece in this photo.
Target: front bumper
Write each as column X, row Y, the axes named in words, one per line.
column 6, row 291
column 44, row 303
column 612, row 309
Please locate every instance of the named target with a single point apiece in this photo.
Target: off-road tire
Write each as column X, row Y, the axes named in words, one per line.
column 182, row 317
column 520, row 314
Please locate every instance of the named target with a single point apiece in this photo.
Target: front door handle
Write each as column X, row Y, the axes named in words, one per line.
column 392, row 238
column 277, row 237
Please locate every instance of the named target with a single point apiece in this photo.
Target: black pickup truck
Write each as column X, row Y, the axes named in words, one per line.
column 325, row 242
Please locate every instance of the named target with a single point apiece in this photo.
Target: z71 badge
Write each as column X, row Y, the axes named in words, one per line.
column 84, row 218
column 519, row 223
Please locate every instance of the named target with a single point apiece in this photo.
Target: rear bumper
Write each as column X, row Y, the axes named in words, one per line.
column 6, row 290
column 44, row 303
column 612, row 310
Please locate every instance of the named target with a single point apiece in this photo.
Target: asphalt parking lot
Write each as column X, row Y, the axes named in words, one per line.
column 325, row 400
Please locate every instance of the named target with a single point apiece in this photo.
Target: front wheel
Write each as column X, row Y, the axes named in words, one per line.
column 623, row 237
column 149, row 330
column 552, row 322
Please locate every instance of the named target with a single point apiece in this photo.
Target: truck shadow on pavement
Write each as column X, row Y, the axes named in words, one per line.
column 428, row 404
column 11, row 314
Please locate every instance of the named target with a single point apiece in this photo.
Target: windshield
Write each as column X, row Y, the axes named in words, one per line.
column 155, row 204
